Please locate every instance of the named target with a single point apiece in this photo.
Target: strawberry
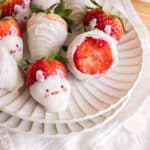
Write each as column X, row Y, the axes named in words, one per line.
column 48, row 28
column 5, row 27
column 7, row 6
column 50, row 78
column 48, row 67
column 97, row 18
column 93, row 56
column 11, row 37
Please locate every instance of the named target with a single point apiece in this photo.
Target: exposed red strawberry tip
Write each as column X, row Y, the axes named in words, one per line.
column 103, row 20
column 5, row 27
column 93, row 56
column 47, row 67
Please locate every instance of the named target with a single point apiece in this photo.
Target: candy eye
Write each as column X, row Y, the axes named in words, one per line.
column 17, row 45
column 47, row 90
column 62, row 86
column 25, row 18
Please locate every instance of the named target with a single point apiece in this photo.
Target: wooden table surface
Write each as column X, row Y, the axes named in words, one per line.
column 143, row 10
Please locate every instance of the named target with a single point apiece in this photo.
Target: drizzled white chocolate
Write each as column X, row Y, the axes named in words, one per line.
column 45, row 34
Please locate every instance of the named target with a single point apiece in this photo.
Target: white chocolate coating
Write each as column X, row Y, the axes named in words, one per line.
column 13, row 44
column 45, row 34
column 45, row 3
column 10, row 77
column 56, row 99
column 79, row 10
column 97, row 34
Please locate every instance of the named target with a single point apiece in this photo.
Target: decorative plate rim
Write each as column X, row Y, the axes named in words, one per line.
column 100, row 112
column 73, row 133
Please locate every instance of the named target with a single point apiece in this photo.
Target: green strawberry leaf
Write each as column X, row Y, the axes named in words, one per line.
column 62, row 59
column 24, row 65
column 35, row 8
column 96, row 4
column 53, row 55
column 48, row 11
column 64, row 13
column 69, row 22
column 2, row 1
column 60, row 8
column 89, row 7
column 27, row 61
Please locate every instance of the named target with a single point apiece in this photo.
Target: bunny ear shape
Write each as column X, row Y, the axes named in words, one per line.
column 13, row 30
column 107, row 29
column 40, row 76
column 18, row 9
column 60, row 74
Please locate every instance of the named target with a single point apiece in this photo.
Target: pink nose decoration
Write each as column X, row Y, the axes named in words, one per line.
column 46, row 96
column 19, row 49
column 64, row 89
column 40, row 76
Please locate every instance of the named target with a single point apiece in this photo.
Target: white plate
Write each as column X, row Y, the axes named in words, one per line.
column 59, row 129
column 87, row 99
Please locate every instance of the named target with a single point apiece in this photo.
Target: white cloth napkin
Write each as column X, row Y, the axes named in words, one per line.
column 99, row 139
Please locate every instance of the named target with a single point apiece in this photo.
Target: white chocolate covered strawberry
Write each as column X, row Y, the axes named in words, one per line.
column 11, row 37
column 48, row 84
column 92, row 54
column 10, row 77
column 47, row 31
column 98, row 19
column 78, row 8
